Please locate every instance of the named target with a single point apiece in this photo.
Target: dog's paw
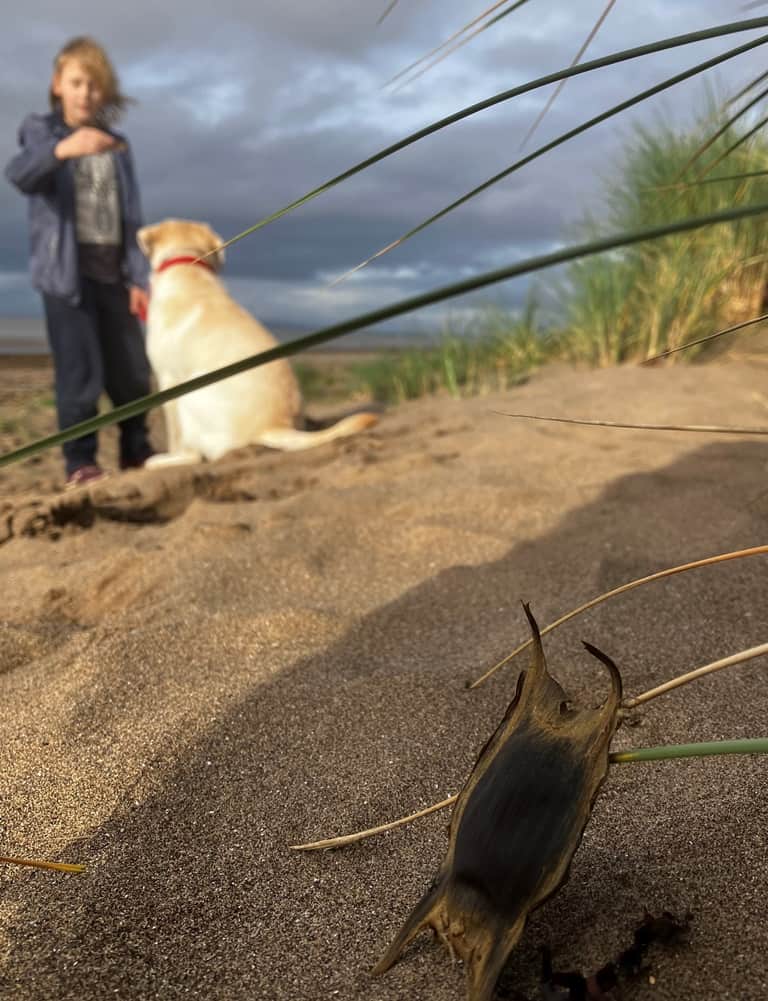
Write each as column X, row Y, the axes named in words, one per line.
column 172, row 459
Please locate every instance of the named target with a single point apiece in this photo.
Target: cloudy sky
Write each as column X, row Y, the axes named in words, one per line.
column 243, row 106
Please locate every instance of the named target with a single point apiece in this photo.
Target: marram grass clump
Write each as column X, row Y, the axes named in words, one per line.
column 635, row 302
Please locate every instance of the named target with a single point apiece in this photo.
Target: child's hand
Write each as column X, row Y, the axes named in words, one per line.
column 83, row 142
column 138, row 302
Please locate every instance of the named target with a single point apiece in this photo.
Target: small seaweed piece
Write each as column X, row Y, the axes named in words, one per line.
column 666, row 929
column 575, row 986
column 517, row 822
column 570, row 985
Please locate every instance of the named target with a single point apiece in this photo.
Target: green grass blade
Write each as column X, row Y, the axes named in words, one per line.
column 577, row 59
column 505, row 13
column 565, row 137
column 668, row 752
column 721, row 179
column 507, row 95
column 734, row 146
column 385, row 313
column 749, row 86
column 711, row 140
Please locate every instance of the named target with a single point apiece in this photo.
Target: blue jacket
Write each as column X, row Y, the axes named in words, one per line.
column 49, row 184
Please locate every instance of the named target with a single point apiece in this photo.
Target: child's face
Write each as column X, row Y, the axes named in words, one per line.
column 80, row 95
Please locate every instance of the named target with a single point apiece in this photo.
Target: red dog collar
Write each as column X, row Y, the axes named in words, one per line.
column 188, row 259
column 168, row 263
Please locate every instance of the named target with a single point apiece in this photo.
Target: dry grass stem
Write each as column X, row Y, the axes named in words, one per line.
column 389, row 8
column 576, row 60
column 709, row 561
column 663, row 753
column 699, row 672
column 705, row 428
column 443, row 45
column 708, row 337
column 38, row 864
column 349, row 839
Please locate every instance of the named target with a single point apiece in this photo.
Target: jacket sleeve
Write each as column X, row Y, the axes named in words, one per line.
column 33, row 167
column 136, row 264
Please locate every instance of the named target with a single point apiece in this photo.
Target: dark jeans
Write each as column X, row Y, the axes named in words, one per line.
column 98, row 346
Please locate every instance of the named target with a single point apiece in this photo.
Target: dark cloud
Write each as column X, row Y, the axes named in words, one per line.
column 243, row 108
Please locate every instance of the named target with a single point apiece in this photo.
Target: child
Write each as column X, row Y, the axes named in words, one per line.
column 83, row 215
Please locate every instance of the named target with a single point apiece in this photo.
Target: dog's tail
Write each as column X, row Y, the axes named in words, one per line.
column 293, row 440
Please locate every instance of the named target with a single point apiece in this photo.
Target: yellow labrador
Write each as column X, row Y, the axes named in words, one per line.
column 194, row 326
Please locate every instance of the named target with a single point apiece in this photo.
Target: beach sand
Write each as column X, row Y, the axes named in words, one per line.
column 203, row 666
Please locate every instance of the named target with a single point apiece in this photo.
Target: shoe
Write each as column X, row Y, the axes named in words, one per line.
column 136, row 462
column 82, row 475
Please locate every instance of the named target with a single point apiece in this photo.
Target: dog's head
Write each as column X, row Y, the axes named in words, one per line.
column 174, row 237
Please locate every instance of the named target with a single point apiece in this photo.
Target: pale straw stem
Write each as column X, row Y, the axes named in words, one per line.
column 709, row 561
column 683, row 679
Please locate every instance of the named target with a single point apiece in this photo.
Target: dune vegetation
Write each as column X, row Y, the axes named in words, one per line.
column 625, row 306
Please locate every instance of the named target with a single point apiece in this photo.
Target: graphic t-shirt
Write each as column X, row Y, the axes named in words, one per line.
column 98, row 220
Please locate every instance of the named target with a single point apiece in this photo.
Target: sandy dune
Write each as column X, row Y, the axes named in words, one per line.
column 200, row 667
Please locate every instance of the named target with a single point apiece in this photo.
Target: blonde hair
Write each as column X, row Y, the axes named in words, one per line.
column 95, row 60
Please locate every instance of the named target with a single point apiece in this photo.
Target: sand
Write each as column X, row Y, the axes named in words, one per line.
column 200, row 667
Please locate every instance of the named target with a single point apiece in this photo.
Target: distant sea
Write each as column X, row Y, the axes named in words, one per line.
column 25, row 335
column 22, row 335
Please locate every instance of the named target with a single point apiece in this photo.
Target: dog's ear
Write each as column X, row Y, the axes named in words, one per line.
column 217, row 259
column 146, row 238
